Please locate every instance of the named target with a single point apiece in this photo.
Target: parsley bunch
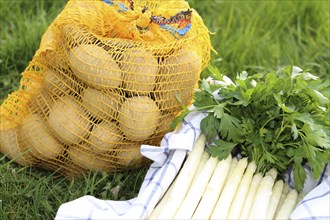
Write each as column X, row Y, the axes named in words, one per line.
column 280, row 119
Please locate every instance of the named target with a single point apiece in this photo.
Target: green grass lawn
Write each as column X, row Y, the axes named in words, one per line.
column 257, row 36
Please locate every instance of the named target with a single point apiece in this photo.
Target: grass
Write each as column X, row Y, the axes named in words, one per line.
column 257, row 36
column 31, row 193
column 22, row 24
column 260, row 36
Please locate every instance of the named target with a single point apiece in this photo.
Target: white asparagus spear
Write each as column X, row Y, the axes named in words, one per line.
column 250, row 196
column 273, row 173
column 185, row 178
column 163, row 201
column 222, row 207
column 274, row 200
column 232, row 167
column 213, row 190
column 201, row 164
column 288, row 206
column 262, row 198
column 155, row 213
column 301, row 196
column 189, row 204
column 285, row 191
column 238, row 202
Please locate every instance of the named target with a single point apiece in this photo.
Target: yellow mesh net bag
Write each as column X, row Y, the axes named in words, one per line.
column 104, row 80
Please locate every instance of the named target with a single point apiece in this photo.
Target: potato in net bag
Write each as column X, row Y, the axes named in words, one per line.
column 105, row 79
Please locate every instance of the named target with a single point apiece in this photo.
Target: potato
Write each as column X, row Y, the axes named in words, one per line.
column 130, row 156
column 84, row 157
column 139, row 71
column 168, row 102
column 75, row 34
column 102, row 105
column 69, row 121
column 60, row 83
column 54, row 60
column 53, row 81
column 177, row 75
column 41, row 102
column 116, row 47
column 180, row 70
column 36, row 135
column 12, row 146
column 164, row 50
column 105, row 137
column 165, row 123
column 138, row 118
column 95, row 66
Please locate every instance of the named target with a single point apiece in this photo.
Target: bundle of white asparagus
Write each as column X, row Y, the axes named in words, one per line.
column 208, row 188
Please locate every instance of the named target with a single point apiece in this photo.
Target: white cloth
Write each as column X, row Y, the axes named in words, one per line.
column 315, row 204
column 168, row 158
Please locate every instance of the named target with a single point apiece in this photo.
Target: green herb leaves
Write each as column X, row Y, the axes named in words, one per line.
column 279, row 119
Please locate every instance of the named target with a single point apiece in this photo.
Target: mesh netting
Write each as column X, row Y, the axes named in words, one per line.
column 104, row 80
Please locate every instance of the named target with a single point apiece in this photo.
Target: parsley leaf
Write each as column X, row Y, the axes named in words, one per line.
column 221, row 148
column 280, row 119
column 209, row 126
column 230, row 127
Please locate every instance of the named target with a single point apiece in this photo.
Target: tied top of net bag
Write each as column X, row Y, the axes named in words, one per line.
column 107, row 77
